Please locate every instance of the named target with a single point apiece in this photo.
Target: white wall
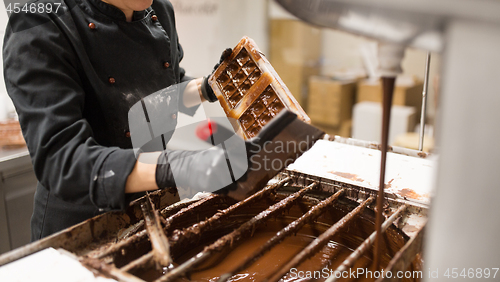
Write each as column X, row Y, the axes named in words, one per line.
column 341, row 53
column 207, row 27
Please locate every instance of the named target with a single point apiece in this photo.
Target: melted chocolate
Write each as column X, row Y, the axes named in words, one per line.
column 331, row 256
column 388, row 88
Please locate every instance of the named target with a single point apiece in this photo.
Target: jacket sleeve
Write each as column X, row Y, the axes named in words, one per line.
column 42, row 76
column 183, row 79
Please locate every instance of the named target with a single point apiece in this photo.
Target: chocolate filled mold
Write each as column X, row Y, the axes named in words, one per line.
column 249, row 67
column 268, row 96
column 276, row 106
column 232, row 69
column 242, row 57
column 235, row 99
column 239, row 78
column 257, row 108
column 247, row 120
column 261, row 111
column 253, row 130
column 223, row 79
column 247, row 85
column 254, row 76
column 229, row 90
column 265, row 117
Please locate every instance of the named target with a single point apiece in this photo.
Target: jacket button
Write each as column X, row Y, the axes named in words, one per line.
column 127, row 134
column 154, row 18
column 174, row 116
column 111, row 80
column 92, row 25
column 166, row 65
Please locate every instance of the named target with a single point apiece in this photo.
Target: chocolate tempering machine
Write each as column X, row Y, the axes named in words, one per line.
column 321, row 209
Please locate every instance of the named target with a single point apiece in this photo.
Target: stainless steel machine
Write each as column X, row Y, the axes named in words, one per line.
column 462, row 232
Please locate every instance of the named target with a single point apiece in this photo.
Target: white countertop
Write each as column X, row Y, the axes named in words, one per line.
column 11, row 158
column 407, row 177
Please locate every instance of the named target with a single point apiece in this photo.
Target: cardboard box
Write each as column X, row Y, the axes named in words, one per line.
column 409, row 94
column 295, row 51
column 10, row 134
column 330, row 101
column 344, row 130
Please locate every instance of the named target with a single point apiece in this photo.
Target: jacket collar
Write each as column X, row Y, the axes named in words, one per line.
column 115, row 13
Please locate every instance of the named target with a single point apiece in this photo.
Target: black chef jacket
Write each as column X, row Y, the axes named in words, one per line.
column 73, row 76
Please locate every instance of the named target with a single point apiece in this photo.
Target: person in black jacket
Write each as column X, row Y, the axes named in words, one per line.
column 73, row 75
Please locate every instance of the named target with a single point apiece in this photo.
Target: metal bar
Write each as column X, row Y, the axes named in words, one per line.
column 349, row 261
column 194, row 232
column 176, row 207
column 404, row 257
column 319, row 242
column 376, row 146
column 388, row 88
column 290, row 229
column 228, row 240
column 158, row 239
column 424, row 102
column 142, row 234
column 190, row 209
column 189, row 231
column 130, row 231
column 145, row 259
column 121, row 244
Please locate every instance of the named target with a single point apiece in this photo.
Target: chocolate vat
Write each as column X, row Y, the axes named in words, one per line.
column 117, row 244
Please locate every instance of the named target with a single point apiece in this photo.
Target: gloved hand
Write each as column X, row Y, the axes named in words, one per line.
column 206, row 90
column 203, row 171
column 230, row 167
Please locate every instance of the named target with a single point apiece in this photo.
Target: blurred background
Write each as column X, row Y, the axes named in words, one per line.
column 332, row 74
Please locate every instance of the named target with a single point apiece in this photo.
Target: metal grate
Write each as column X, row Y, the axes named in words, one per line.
column 155, row 235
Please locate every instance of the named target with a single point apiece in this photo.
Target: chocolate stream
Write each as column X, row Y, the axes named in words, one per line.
column 349, row 262
column 388, row 87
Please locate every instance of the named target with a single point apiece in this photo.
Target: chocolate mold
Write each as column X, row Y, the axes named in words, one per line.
column 250, row 91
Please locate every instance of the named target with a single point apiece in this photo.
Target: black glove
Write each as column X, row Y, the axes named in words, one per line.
column 206, row 90
column 203, row 171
